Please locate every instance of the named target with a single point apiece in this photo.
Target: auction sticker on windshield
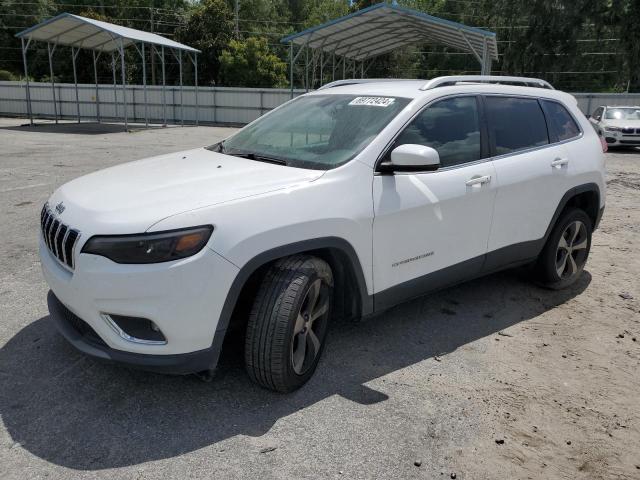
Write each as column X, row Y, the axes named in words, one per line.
column 373, row 101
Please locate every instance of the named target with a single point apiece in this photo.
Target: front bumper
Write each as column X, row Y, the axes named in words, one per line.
column 615, row 139
column 183, row 298
column 84, row 338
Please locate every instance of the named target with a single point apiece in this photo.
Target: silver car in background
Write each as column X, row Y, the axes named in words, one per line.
column 619, row 126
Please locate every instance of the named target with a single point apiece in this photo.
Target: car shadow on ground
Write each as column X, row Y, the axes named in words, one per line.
column 73, row 411
column 624, row 150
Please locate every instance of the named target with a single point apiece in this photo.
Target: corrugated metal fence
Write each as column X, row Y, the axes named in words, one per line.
column 216, row 104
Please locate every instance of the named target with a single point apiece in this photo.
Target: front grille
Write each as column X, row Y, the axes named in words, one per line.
column 59, row 238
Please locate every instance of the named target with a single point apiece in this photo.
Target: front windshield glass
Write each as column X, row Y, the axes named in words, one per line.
column 316, row 131
column 622, row 114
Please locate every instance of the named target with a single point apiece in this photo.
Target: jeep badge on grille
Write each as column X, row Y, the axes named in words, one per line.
column 60, row 208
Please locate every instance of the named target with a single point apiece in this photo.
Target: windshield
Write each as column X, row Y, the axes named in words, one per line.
column 622, row 114
column 315, row 131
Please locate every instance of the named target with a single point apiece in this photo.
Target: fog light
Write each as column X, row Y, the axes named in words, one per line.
column 135, row 329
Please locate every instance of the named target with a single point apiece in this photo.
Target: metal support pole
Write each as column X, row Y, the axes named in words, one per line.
column 290, row 67
column 195, row 56
column 181, row 90
column 362, row 69
column 344, row 68
column 124, row 87
column 144, row 86
column 53, row 85
column 321, row 67
column 354, row 67
column 26, row 79
column 164, row 89
column 485, row 68
column 75, row 80
column 115, row 87
column 95, row 76
column 333, row 69
column 306, row 69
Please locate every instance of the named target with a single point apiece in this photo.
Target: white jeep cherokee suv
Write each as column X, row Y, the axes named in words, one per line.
column 340, row 203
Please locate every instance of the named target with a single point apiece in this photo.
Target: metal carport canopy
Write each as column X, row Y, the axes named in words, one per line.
column 81, row 32
column 384, row 27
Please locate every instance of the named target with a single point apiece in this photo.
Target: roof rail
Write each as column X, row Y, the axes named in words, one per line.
column 455, row 79
column 355, row 81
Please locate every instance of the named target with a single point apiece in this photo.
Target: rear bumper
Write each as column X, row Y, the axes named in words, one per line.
column 84, row 338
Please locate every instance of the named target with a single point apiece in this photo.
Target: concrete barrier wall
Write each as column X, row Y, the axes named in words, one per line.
column 215, row 104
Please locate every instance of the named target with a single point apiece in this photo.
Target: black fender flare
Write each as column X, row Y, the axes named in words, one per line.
column 587, row 187
column 284, row 251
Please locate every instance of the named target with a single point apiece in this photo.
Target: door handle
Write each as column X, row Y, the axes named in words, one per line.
column 559, row 162
column 478, row 180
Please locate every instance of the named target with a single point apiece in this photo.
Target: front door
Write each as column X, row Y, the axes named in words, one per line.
column 431, row 229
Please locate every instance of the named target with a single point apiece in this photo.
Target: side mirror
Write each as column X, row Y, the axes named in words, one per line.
column 412, row 158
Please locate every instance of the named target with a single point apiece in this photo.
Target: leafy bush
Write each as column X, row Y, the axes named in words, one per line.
column 6, row 75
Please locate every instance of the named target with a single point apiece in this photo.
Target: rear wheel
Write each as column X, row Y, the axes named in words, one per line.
column 288, row 323
column 565, row 254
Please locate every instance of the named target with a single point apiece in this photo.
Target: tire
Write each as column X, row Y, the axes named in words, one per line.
column 565, row 254
column 288, row 323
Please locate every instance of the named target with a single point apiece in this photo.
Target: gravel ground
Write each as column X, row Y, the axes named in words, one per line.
column 495, row 378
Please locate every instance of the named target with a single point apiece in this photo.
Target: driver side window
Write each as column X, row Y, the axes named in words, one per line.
column 450, row 126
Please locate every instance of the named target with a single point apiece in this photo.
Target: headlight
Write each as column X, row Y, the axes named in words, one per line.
column 150, row 247
column 613, row 129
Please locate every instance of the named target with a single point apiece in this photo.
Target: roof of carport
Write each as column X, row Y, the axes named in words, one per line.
column 81, row 32
column 384, row 27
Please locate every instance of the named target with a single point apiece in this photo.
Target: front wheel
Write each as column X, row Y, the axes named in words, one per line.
column 565, row 254
column 288, row 323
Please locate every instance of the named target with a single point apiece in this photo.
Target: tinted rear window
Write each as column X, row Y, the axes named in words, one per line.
column 562, row 126
column 516, row 123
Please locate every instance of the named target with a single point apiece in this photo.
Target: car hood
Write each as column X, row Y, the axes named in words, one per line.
column 131, row 197
column 622, row 123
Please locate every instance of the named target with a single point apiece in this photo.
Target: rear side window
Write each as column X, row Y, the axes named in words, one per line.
column 562, row 126
column 516, row 123
column 450, row 126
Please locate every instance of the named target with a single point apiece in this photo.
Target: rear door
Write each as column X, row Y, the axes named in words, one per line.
column 532, row 165
column 431, row 228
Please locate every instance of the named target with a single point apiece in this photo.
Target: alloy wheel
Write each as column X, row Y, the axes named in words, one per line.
column 309, row 328
column 571, row 254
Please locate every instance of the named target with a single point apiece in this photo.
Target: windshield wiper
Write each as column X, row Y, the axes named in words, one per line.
column 216, row 147
column 220, row 148
column 257, row 157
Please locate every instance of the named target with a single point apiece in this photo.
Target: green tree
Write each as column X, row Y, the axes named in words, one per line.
column 321, row 11
column 209, row 29
column 250, row 63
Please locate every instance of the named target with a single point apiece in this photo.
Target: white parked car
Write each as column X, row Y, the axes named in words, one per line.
column 619, row 126
column 340, row 203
